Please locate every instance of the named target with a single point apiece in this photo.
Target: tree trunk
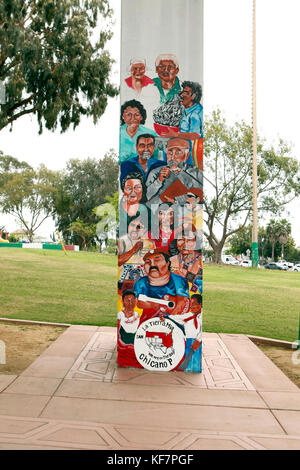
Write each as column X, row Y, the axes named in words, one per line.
column 217, row 247
column 218, row 253
column 273, row 246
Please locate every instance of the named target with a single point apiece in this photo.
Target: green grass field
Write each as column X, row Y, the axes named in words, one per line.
column 80, row 288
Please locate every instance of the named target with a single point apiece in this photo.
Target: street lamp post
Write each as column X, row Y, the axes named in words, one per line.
column 254, row 146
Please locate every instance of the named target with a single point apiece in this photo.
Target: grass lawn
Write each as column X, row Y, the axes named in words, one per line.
column 80, row 288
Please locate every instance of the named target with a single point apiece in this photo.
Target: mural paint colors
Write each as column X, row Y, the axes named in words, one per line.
column 161, row 186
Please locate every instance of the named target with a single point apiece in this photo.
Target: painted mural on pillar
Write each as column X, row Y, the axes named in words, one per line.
column 161, row 197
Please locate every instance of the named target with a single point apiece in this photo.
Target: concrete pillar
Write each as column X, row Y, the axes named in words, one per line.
column 161, row 185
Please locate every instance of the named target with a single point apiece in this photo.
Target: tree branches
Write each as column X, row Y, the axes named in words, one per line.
column 50, row 63
column 228, row 158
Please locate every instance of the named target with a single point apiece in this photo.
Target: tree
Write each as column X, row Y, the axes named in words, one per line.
column 272, row 234
column 241, row 241
column 50, row 63
column 291, row 252
column 86, row 232
column 227, row 199
column 279, row 232
column 26, row 193
column 262, row 239
column 284, row 230
column 10, row 164
column 84, row 185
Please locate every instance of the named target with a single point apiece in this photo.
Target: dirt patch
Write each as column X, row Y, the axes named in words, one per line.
column 283, row 359
column 24, row 343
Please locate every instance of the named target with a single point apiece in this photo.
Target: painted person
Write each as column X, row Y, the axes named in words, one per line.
column 176, row 176
column 133, row 116
column 191, row 124
column 138, row 80
column 192, row 322
column 165, row 233
column 144, row 161
column 167, row 82
column 135, row 244
column 128, row 318
column 160, row 283
column 131, row 204
column 188, row 260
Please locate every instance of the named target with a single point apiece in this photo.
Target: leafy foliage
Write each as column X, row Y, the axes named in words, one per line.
column 53, row 60
column 268, row 245
column 278, row 231
column 228, row 173
column 84, row 185
column 86, row 232
column 26, row 193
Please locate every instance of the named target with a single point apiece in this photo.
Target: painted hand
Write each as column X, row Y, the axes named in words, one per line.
column 196, row 345
column 165, row 173
column 169, row 133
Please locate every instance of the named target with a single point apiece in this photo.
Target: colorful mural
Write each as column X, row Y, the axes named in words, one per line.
column 161, row 196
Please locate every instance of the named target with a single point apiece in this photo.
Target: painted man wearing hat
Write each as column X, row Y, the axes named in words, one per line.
column 172, row 182
column 160, row 283
column 138, row 80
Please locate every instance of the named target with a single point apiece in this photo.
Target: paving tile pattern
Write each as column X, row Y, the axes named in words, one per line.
column 20, row 433
column 74, row 397
column 98, row 361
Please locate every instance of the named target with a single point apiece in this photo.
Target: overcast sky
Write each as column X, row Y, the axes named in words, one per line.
column 227, row 85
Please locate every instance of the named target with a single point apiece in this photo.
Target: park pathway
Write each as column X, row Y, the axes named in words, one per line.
column 74, row 397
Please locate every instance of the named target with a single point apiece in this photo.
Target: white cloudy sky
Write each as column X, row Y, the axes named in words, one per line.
column 227, row 84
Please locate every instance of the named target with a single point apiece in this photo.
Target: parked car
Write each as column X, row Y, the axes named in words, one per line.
column 285, row 265
column 246, row 263
column 229, row 259
column 296, row 268
column 274, row 266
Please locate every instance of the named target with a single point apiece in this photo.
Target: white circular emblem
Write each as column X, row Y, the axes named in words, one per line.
column 159, row 345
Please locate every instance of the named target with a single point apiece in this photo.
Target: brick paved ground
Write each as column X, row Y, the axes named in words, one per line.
column 74, row 397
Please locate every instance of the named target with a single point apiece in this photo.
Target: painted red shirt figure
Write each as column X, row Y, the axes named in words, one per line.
column 138, row 80
column 165, row 234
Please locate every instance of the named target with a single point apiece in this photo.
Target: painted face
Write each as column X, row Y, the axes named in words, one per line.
column 136, row 229
column 133, row 191
column 192, row 200
column 129, row 302
column 156, row 266
column 166, row 218
column 145, row 148
column 138, row 70
column 178, row 153
column 167, row 70
column 132, row 116
column 187, row 243
column 194, row 306
column 187, row 97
